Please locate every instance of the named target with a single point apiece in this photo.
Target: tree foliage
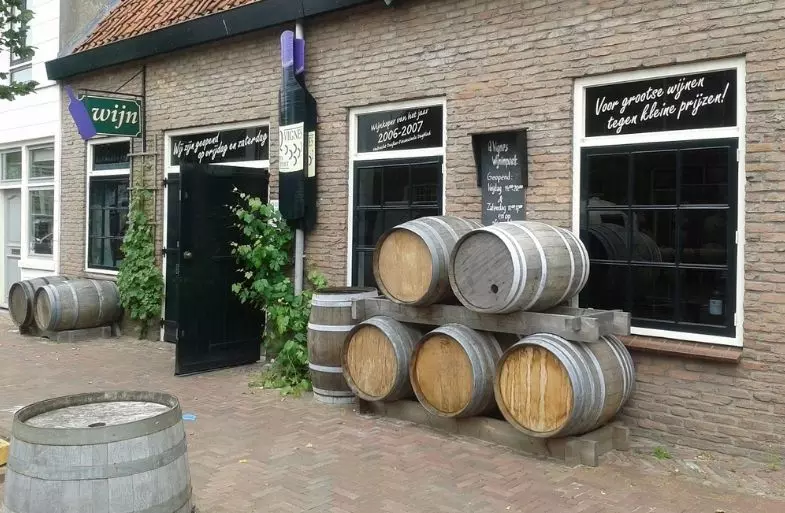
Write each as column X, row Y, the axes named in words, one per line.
column 14, row 24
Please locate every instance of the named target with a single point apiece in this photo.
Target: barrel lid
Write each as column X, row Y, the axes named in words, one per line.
column 94, row 418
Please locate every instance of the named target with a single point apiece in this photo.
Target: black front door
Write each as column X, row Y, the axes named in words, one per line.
column 214, row 329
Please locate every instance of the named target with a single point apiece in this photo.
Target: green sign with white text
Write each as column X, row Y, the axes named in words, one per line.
column 114, row 116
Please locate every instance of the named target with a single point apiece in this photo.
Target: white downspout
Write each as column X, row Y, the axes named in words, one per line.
column 299, row 235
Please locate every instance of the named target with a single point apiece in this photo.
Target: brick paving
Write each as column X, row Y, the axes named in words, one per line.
column 252, row 451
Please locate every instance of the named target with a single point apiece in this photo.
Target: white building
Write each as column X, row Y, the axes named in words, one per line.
column 29, row 158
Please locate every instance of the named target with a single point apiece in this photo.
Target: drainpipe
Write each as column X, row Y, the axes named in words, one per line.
column 299, row 235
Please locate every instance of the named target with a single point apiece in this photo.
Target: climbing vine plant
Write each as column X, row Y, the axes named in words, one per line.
column 263, row 257
column 140, row 280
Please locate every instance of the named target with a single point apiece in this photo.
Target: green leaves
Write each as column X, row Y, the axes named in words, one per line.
column 14, row 25
column 140, row 280
column 263, row 259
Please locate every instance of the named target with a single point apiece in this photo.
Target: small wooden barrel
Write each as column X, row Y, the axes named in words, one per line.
column 21, row 296
column 100, row 452
column 410, row 261
column 518, row 265
column 452, row 371
column 77, row 304
column 547, row 386
column 328, row 325
column 376, row 358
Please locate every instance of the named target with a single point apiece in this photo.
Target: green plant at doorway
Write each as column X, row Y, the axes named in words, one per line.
column 263, row 255
column 139, row 279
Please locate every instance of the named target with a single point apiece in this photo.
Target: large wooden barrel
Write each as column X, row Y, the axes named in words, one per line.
column 547, row 386
column 452, row 371
column 77, row 304
column 410, row 261
column 376, row 357
column 21, row 296
column 328, row 325
column 518, row 265
column 100, row 452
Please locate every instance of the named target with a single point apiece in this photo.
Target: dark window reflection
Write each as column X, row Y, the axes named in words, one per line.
column 388, row 194
column 108, row 220
column 666, row 252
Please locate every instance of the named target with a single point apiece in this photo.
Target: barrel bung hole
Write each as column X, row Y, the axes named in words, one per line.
column 97, row 424
column 494, row 288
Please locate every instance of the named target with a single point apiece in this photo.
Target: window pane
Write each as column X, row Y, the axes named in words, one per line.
column 607, row 240
column 703, row 297
column 111, row 156
column 424, row 212
column 393, row 218
column 654, row 292
column 107, row 221
column 369, row 186
column 426, row 183
column 41, row 221
column 607, row 178
column 606, row 288
column 705, row 176
column 20, row 75
column 363, row 269
column 654, row 178
column 369, row 227
column 11, row 164
column 396, row 184
column 654, row 238
column 705, row 236
column 42, row 163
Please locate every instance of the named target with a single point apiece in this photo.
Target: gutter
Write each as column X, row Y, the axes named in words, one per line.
column 231, row 23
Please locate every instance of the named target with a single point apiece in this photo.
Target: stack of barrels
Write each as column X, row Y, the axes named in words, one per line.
column 544, row 385
column 57, row 303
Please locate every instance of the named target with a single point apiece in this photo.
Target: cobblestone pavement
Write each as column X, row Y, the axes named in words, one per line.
column 252, row 451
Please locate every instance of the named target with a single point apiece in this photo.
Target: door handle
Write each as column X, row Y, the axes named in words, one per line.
column 187, row 255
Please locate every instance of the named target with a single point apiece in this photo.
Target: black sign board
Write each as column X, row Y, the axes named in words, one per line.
column 240, row 145
column 502, row 172
column 407, row 129
column 679, row 102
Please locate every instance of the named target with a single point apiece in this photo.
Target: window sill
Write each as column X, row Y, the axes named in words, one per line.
column 101, row 274
column 697, row 350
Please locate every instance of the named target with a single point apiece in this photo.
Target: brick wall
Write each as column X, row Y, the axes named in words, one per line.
column 509, row 63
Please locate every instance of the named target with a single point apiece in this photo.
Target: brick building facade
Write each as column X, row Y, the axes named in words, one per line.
column 499, row 64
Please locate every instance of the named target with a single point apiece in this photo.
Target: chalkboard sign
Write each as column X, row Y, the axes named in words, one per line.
column 680, row 102
column 223, row 146
column 406, row 129
column 502, row 172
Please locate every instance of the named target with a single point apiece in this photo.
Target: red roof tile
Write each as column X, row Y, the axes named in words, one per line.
column 135, row 17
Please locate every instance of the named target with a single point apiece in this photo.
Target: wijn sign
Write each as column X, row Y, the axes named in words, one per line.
column 681, row 102
column 104, row 115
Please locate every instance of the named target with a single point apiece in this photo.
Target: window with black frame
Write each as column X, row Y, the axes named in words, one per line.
column 386, row 194
column 108, row 205
column 659, row 222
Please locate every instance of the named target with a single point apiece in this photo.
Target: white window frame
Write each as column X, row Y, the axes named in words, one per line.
column 28, row 259
column 355, row 156
column 90, row 175
column 20, row 65
column 737, row 132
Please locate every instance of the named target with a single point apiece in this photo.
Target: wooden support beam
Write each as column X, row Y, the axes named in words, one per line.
column 575, row 324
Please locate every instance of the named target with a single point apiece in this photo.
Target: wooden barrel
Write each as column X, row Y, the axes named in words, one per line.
column 452, row 371
column 376, row 358
column 518, row 265
column 410, row 261
column 99, row 452
column 547, row 386
column 77, row 304
column 328, row 325
column 21, row 296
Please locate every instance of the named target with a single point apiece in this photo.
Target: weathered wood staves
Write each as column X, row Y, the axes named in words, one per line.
column 577, row 324
column 99, row 452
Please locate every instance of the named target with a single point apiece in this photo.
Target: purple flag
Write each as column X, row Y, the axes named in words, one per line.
column 80, row 115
